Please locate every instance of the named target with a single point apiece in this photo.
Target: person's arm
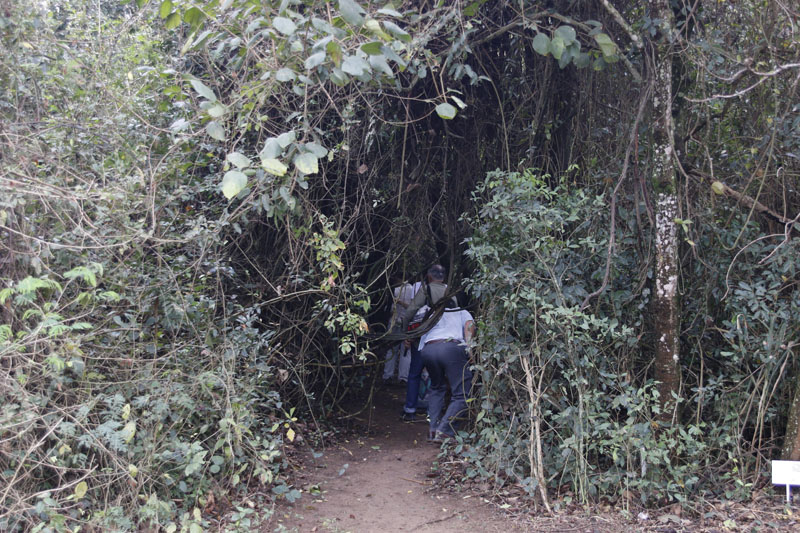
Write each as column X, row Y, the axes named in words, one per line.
column 469, row 331
column 413, row 307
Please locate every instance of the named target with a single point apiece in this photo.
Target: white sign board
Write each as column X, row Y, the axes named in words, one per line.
column 786, row 473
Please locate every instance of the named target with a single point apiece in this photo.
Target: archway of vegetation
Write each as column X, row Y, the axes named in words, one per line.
column 205, row 202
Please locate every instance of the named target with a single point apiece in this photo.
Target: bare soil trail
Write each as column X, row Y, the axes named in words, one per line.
column 381, row 479
column 379, row 482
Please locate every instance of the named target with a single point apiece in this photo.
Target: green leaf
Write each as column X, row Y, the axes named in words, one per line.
column 390, row 12
column 583, row 60
column 284, row 25
column 459, row 102
column 306, row 163
column 355, row 66
column 541, row 43
column 557, row 46
column 172, row 21
column 203, row 90
column 217, row 110
column 271, row 149
column 84, row 273
column 567, row 34
column 373, row 48
column 239, row 160
column 335, row 51
column 315, row 60
column 165, row 9
column 446, row 111
column 128, row 431
column 339, row 78
column 285, row 139
column 396, row 31
column 193, row 16
column 379, row 64
column 375, row 28
column 285, row 74
column 274, row 166
column 316, row 149
column 215, row 130
column 606, row 45
column 81, row 489
column 232, row 183
column 351, row 12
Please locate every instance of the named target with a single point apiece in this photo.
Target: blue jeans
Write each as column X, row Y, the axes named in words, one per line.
column 447, row 362
column 414, row 377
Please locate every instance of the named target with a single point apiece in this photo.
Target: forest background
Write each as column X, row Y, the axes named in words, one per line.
column 204, row 204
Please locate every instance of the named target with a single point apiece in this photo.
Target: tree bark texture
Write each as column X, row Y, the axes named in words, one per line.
column 666, row 311
column 791, row 441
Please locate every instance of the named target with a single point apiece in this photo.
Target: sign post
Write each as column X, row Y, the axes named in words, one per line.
column 786, row 473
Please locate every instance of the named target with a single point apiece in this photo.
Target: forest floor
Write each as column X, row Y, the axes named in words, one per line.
column 382, row 476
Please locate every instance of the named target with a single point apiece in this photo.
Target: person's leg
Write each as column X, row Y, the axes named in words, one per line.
column 414, row 374
column 391, row 360
column 456, row 367
column 404, row 363
column 438, row 385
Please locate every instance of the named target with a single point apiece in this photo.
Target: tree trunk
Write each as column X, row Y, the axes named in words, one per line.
column 666, row 311
column 791, row 441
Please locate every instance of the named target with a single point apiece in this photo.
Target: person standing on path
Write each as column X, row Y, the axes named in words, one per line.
column 399, row 355
column 429, row 293
column 444, row 353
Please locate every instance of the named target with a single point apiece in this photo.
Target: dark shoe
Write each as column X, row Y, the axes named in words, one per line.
column 439, row 437
column 408, row 417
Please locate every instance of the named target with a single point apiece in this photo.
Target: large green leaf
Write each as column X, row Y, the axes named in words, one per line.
column 306, row 163
column 351, row 12
column 165, row 9
column 339, row 78
column 216, row 130
column 567, row 34
column 239, row 160
column 233, row 182
column 373, row 48
column 81, row 489
column 285, row 74
column 285, row 139
column 203, row 90
column 334, row 49
column 379, row 64
column 316, row 149
column 172, row 21
column 541, row 43
column 557, row 46
column 274, row 166
column 446, row 111
column 272, row 149
column 217, row 110
column 396, row 31
column 193, row 16
column 315, row 60
column 606, row 45
column 284, row 25
column 355, row 66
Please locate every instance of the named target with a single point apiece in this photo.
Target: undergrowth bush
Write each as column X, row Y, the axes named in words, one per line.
column 138, row 383
column 566, row 402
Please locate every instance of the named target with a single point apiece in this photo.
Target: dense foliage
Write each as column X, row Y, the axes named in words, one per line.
column 203, row 204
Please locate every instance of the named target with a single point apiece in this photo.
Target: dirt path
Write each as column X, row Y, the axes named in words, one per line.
column 379, row 483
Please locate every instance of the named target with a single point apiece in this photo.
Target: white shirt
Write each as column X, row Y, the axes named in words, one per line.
column 450, row 326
